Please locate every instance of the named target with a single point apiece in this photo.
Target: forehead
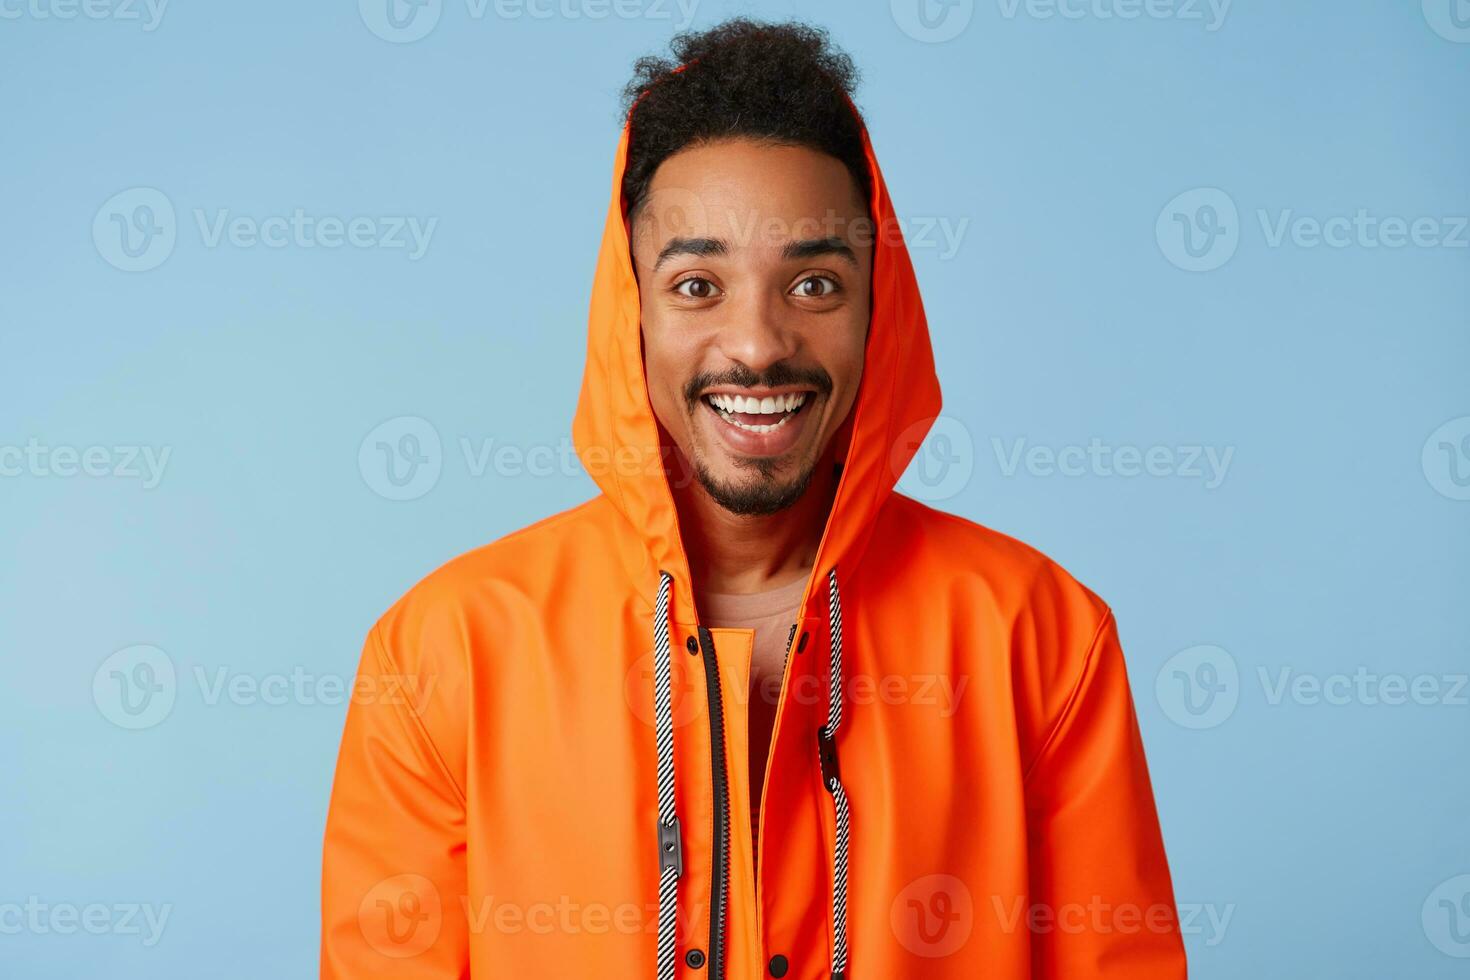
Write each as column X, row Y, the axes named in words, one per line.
column 752, row 195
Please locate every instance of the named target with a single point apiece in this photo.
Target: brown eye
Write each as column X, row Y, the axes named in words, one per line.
column 814, row 287
column 697, row 288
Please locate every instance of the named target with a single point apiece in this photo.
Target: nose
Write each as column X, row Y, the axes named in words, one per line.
column 758, row 334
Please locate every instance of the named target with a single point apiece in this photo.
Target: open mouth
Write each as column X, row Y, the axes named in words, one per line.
column 757, row 413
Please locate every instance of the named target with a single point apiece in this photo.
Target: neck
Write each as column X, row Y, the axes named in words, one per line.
column 739, row 554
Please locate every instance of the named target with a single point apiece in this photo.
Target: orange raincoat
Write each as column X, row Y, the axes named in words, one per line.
column 974, row 802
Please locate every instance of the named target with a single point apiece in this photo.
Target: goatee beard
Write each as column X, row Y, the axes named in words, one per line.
column 758, row 499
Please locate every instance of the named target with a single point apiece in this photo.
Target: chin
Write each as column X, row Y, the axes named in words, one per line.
column 759, row 496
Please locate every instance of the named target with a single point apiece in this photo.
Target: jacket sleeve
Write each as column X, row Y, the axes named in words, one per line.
column 1102, row 902
column 393, row 861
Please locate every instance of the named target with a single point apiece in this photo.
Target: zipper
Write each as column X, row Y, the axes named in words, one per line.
column 760, row 849
column 720, row 878
column 770, row 756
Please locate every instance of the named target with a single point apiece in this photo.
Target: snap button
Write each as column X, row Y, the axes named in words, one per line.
column 779, row 965
column 692, row 645
column 695, row 958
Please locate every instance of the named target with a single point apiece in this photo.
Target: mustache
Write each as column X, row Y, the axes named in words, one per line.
column 776, row 376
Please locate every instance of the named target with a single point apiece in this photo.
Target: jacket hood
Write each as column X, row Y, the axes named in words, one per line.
column 617, row 435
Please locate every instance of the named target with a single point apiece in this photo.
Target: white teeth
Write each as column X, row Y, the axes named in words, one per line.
column 770, row 405
column 757, row 428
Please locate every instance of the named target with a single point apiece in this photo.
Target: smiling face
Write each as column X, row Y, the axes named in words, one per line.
column 754, row 263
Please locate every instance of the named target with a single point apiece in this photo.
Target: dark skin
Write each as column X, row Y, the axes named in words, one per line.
column 754, row 266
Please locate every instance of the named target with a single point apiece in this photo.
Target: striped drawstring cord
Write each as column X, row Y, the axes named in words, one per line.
column 670, row 847
column 831, row 777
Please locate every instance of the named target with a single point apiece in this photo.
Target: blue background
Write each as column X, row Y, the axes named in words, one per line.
column 268, row 547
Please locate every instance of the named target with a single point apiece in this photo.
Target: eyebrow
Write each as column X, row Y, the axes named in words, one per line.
column 811, row 247
column 691, row 246
column 805, row 248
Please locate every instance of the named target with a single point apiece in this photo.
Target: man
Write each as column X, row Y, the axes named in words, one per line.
column 928, row 723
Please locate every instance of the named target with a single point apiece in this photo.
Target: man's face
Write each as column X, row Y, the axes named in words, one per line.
column 754, row 263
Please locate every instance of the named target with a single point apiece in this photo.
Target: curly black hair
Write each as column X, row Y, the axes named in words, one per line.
column 785, row 83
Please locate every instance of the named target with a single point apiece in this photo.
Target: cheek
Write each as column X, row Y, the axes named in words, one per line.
column 666, row 366
column 851, row 353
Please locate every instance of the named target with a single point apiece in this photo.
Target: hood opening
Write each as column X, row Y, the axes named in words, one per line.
column 619, row 440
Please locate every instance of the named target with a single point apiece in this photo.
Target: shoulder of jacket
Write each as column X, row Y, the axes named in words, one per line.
column 1021, row 576
column 1047, row 623
column 498, row 570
